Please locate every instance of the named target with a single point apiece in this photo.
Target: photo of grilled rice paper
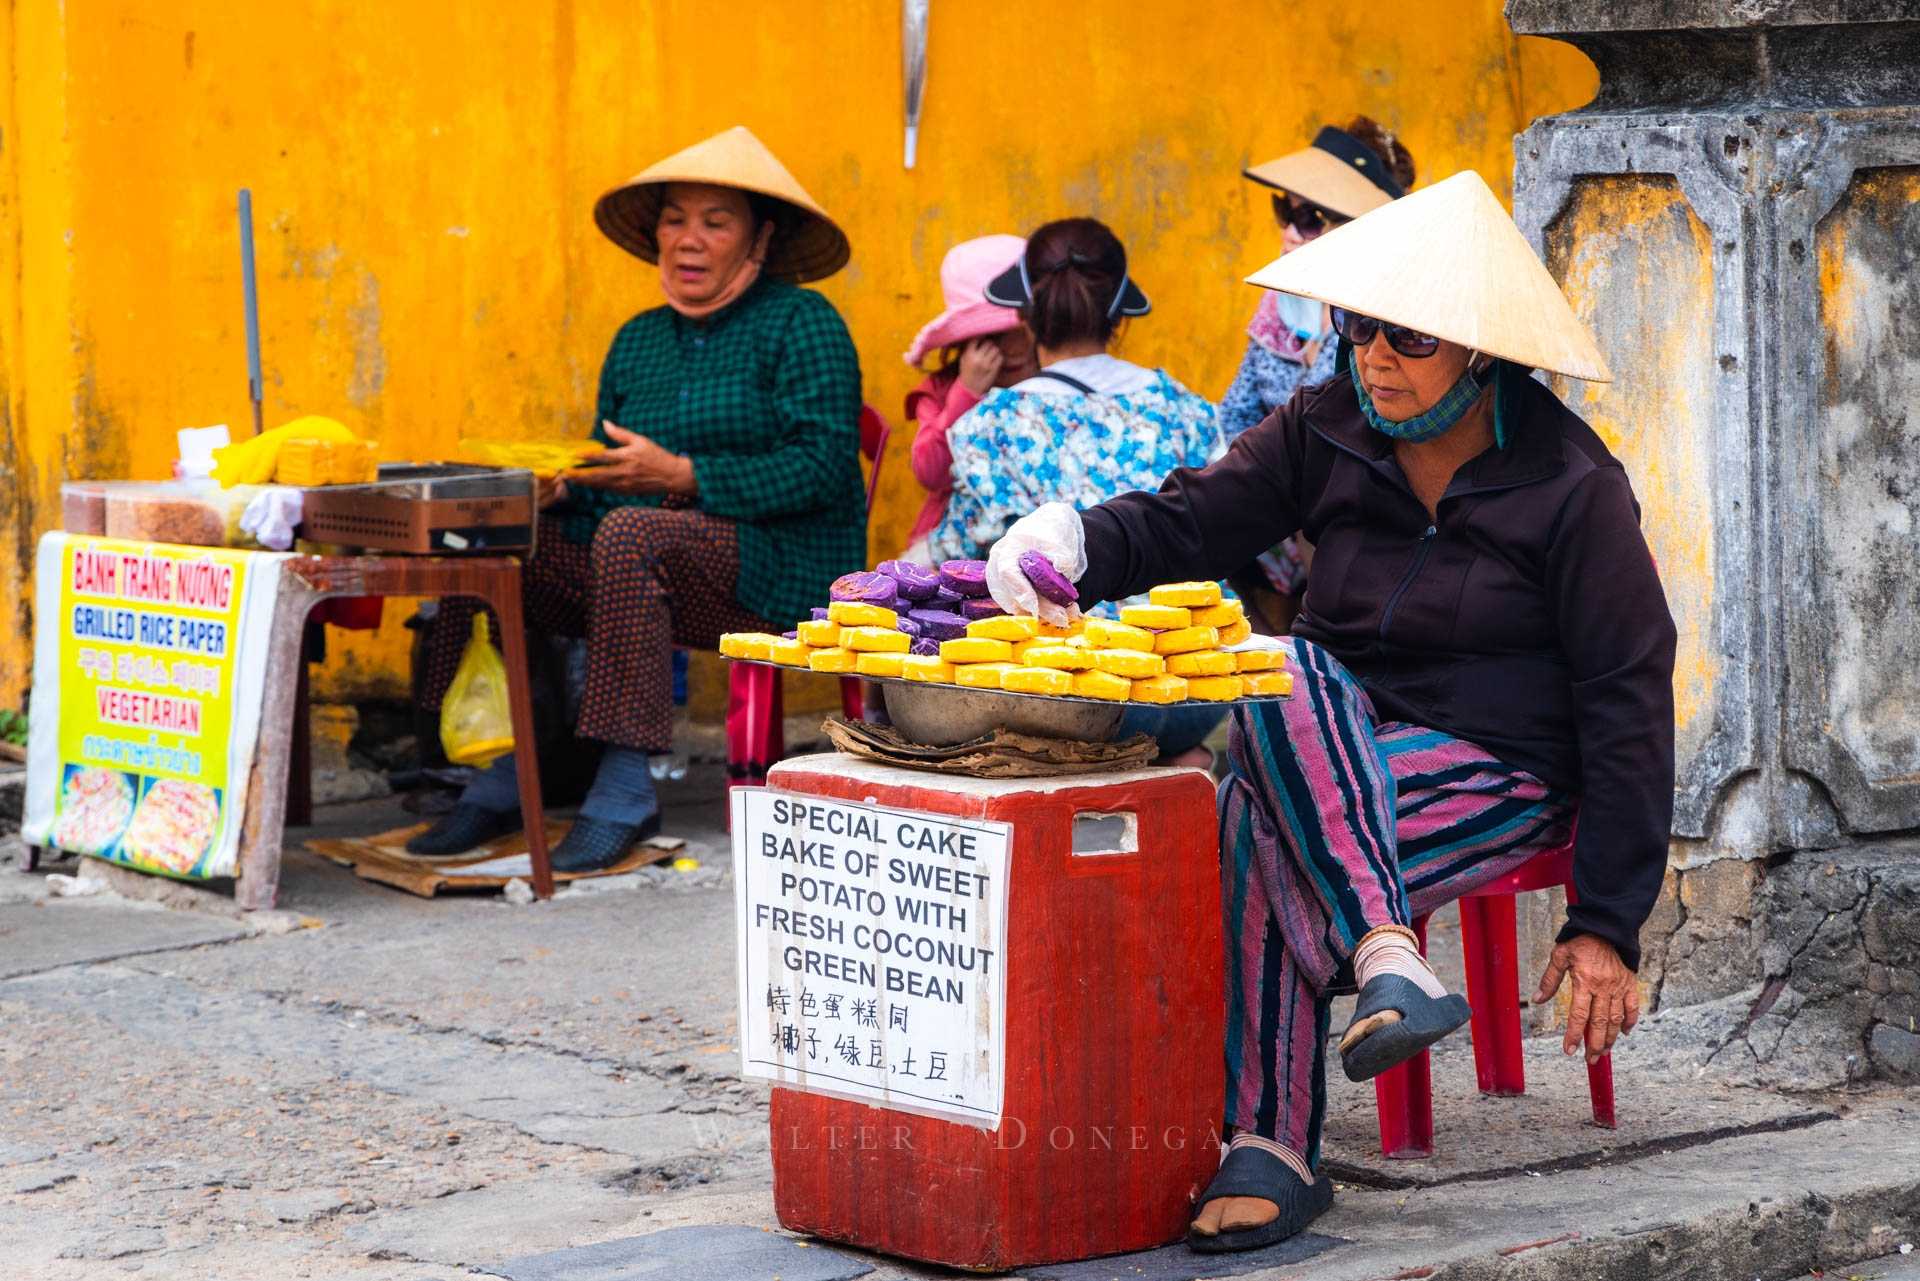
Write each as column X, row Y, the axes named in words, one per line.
column 94, row 805
column 173, row 826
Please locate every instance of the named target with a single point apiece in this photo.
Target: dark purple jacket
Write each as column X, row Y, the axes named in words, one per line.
column 1528, row 618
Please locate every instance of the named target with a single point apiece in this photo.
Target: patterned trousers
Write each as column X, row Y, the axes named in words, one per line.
column 652, row 578
column 1333, row 823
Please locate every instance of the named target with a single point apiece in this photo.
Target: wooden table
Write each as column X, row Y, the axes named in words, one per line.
column 305, row 582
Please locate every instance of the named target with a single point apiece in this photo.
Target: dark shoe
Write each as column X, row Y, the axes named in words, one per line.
column 1252, row 1172
column 593, row 845
column 463, row 828
column 1394, row 1020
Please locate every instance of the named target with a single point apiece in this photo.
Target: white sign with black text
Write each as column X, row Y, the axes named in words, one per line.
column 871, row 952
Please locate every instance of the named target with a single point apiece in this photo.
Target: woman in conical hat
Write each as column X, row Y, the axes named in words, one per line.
column 1485, row 649
column 729, row 495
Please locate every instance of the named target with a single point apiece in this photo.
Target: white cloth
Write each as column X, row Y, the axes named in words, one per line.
column 1107, row 375
column 272, row 515
column 1055, row 531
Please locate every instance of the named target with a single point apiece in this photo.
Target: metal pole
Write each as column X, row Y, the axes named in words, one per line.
column 251, row 291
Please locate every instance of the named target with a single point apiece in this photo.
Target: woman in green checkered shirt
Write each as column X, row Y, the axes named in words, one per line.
column 729, row 497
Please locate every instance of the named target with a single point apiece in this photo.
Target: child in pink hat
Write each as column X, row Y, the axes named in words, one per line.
column 981, row 346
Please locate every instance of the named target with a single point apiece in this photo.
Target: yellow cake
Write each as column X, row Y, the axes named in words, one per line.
column 1234, row 633
column 1156, row 618
column 927, row 668
column 1130, row 663
column 1226, row 613
column 876, row 640
column 1004, row 627
column 748, row 645
column 1215, row 689
column 1037, row 680
column 1102, row 685
column 1205, row 662
column 835, row 659
column 852, row 613
column 1066, row 657
column 789, row 653
column 1260, row 660
column 1267, row 683
column 974, row 649
column 1184, row 639
column 982, row 675
column 823, row 632
column 1104, row 634
column 1160, row 689
column 872, row 664
column 1186, row 594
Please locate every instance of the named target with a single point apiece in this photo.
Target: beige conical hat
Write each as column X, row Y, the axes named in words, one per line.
column 1450, row 262
column 809, row 246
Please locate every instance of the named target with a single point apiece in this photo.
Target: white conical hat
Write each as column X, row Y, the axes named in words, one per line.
column 1447, row 261
column 808, row 247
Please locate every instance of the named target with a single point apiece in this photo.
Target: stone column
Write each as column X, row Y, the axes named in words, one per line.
column 1737, row 215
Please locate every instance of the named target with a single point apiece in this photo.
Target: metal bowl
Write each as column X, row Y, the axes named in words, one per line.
column 942, row 715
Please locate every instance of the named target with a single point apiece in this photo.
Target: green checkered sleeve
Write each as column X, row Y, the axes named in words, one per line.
column 816, row 429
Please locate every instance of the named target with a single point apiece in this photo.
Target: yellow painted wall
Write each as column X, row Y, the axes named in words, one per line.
column 424, row 174
column 1627, row 248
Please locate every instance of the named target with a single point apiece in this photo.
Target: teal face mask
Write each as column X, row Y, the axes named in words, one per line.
column 1445, row 412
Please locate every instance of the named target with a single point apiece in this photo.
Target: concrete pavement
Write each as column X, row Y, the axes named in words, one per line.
column 369, row 1085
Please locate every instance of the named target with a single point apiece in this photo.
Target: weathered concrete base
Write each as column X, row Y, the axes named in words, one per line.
column 1802, row 975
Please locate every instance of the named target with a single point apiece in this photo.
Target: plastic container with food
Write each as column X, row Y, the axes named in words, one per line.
column 193, row 513
column 83, row 507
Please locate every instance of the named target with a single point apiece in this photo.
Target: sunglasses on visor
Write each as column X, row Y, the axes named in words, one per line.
column 1359, row 330
column 1304, row 216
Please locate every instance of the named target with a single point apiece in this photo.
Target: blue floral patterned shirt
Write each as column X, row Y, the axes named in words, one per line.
column 1266, row 381
column 1044, row 441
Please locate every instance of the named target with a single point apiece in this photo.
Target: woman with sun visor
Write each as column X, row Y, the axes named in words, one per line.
column 1342, row 174
column 1485, row 649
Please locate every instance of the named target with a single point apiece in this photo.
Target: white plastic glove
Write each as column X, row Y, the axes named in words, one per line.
column 1053, row 530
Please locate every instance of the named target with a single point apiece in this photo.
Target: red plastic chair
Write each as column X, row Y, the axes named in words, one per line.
column 1404, row 1095
column 756, row 734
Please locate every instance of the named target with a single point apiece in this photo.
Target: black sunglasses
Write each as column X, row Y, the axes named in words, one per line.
column 1303, row 216
column 1359, row 330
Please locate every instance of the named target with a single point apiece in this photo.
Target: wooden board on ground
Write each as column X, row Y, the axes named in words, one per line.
column 382, row 857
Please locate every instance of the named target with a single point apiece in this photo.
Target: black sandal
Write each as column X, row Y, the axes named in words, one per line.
column 1394, row 1020
column 1254, row 1172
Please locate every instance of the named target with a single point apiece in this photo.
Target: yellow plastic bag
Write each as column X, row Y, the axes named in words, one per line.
column 476, row 724
column 251, row 461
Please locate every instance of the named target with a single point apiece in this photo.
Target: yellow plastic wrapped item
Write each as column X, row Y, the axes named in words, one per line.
column 476, row 724
column 544, row 458
column 252, row 461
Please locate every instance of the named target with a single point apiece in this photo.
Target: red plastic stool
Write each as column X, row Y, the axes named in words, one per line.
column 756, row 735
column 1404, row 1095
column 756, row 739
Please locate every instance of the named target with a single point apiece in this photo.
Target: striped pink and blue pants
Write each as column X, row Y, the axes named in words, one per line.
column 1333, row 822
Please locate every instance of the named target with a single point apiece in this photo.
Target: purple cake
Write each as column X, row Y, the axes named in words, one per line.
column 1047, row 580
column 968, row 577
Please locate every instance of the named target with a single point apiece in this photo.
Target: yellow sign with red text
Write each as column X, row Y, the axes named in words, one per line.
column 148, row 671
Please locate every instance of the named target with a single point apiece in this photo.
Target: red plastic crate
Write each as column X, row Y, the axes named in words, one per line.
column 1114, row 1076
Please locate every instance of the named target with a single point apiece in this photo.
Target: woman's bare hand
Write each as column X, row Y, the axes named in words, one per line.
column 980, row 363
column 635, row 465
column 1605, row 998
column 549, row 490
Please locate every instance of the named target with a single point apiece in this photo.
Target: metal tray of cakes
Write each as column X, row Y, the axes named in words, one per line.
column 940, row 714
